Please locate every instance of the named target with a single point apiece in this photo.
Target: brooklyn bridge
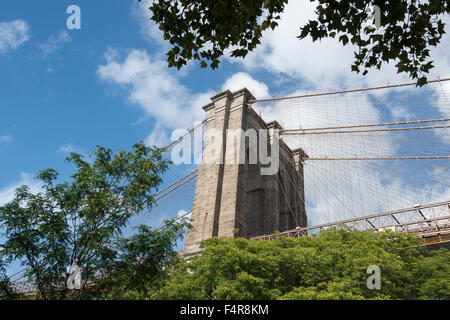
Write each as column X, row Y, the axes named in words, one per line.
column 342, row 160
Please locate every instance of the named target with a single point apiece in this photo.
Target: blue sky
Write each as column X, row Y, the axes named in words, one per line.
column 55, row 100
column 108, row 84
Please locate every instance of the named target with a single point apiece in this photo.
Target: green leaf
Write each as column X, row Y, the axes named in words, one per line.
column 344, row 39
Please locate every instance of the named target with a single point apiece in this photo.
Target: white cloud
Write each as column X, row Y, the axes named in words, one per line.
column 13, row 34
column 158, row 137
column 54, row 43
column 439, row 54
column 149, row 29
column 244, row 80
column 110, row 54
column 183, row 213
column 7, row 194
column 442, row 103
column 152, row 87
column 400, row 113
column 443, row 100
column 69, row 147
column 6, row 139
column 325, row 64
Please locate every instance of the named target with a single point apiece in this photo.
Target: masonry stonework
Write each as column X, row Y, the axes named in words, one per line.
column 232, row 198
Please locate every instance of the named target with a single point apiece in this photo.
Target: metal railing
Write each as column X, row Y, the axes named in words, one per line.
column 426, row 220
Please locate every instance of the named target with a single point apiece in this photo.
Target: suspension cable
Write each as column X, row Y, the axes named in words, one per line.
column 344, row 91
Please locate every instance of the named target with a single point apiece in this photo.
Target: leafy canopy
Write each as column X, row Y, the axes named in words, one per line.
column 80, row 222
column 203, row 29
column 332, row 265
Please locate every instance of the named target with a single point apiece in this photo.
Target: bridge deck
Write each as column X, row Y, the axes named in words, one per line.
column 431, row 221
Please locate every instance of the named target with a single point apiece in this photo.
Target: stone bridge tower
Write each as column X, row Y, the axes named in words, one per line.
column 233, row 198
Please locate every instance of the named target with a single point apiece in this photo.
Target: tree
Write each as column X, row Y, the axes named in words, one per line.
column 80, row 223
column 203, row 29
column 6, row 291
column 331, row 265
